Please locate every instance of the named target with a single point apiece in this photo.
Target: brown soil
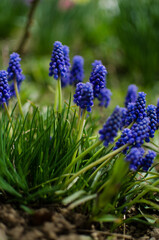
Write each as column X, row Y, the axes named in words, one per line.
column 53, row 223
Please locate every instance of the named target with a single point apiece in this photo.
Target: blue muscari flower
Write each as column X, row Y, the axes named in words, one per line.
column 140, row 131
column 148, row 160
column 65, row 79
column 83, row 96
column 96, row 63
column 140, row 106
column 126, row 137
column 98, row 78
column 123, row 117
column 151, row 113
column 135, row 158
column 131, row 95
column 57, row 64
column 157, row 112
column 77, row 71
column 4, row 87
column 104, row 97
column 136, row 135
column 130, row 115
column 111, row 127
column 14, row 70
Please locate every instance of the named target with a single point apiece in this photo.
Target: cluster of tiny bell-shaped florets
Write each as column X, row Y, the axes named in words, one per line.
column 111, row 127
column 60, row 67
column 4, row 87
column 143, row 126
column 83, row 96
column 142, row 123
column 57, row 64
column 77, row 71
column 65, row 79
column 15, row 73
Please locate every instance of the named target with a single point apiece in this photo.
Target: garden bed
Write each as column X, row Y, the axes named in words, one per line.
column 55, row 223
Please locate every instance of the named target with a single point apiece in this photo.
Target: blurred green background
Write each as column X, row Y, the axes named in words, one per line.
column 123, row 34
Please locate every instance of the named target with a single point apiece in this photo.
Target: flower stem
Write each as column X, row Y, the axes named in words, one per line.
column 81, row 126
column 18, row 98
column 79, row 117
column 59, row 96
column 56, row 98
column 101, row 160
column 8, row 115
column 96, row 144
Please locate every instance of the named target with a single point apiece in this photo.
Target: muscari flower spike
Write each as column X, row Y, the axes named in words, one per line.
column 123, row 117
column 131, row 95
column 111, row 127
column 148, row 160
column 4, row 87
column 140, row 131
column 130, row 115
column 14, row 70
column 140, row 106
column 157, row 112
column 96, row 63
column 98, row 78
column 104, row 97
column 77, row 71
column 134, row 136
column 126, row 137
column 83, row 96
column 151, row 113
column 15, row 73
column 65, row 79
column 135, row 158
column 57, row 64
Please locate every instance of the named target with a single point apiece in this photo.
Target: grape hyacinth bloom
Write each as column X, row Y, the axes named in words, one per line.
column 111, row 127
column 131, row 95
column 157, row 112
column 98, row 79
column 140, row 131
column 135, row 158
column 151, row 113
column 104, row 97
column 77, row 71
column 83, row 96
column 57, row 65
column 126, row 138
column 4, row 88
column 96, row 63
column 15, row 73
column 136, row 135
column 65, row 79
column 123, row 117
column 148, row 160
column 140, row 106
column 130, row 115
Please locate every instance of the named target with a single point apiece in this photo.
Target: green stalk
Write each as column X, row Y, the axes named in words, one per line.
column 81, row 126
column 18, row 98
column 112, row 154
column 101, row 166
column 79, row 117
column 59, row 95
column 56, row 98
column 8, row 115
column 96, row 144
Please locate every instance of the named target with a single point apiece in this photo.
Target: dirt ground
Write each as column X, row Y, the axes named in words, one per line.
column 54, row 223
